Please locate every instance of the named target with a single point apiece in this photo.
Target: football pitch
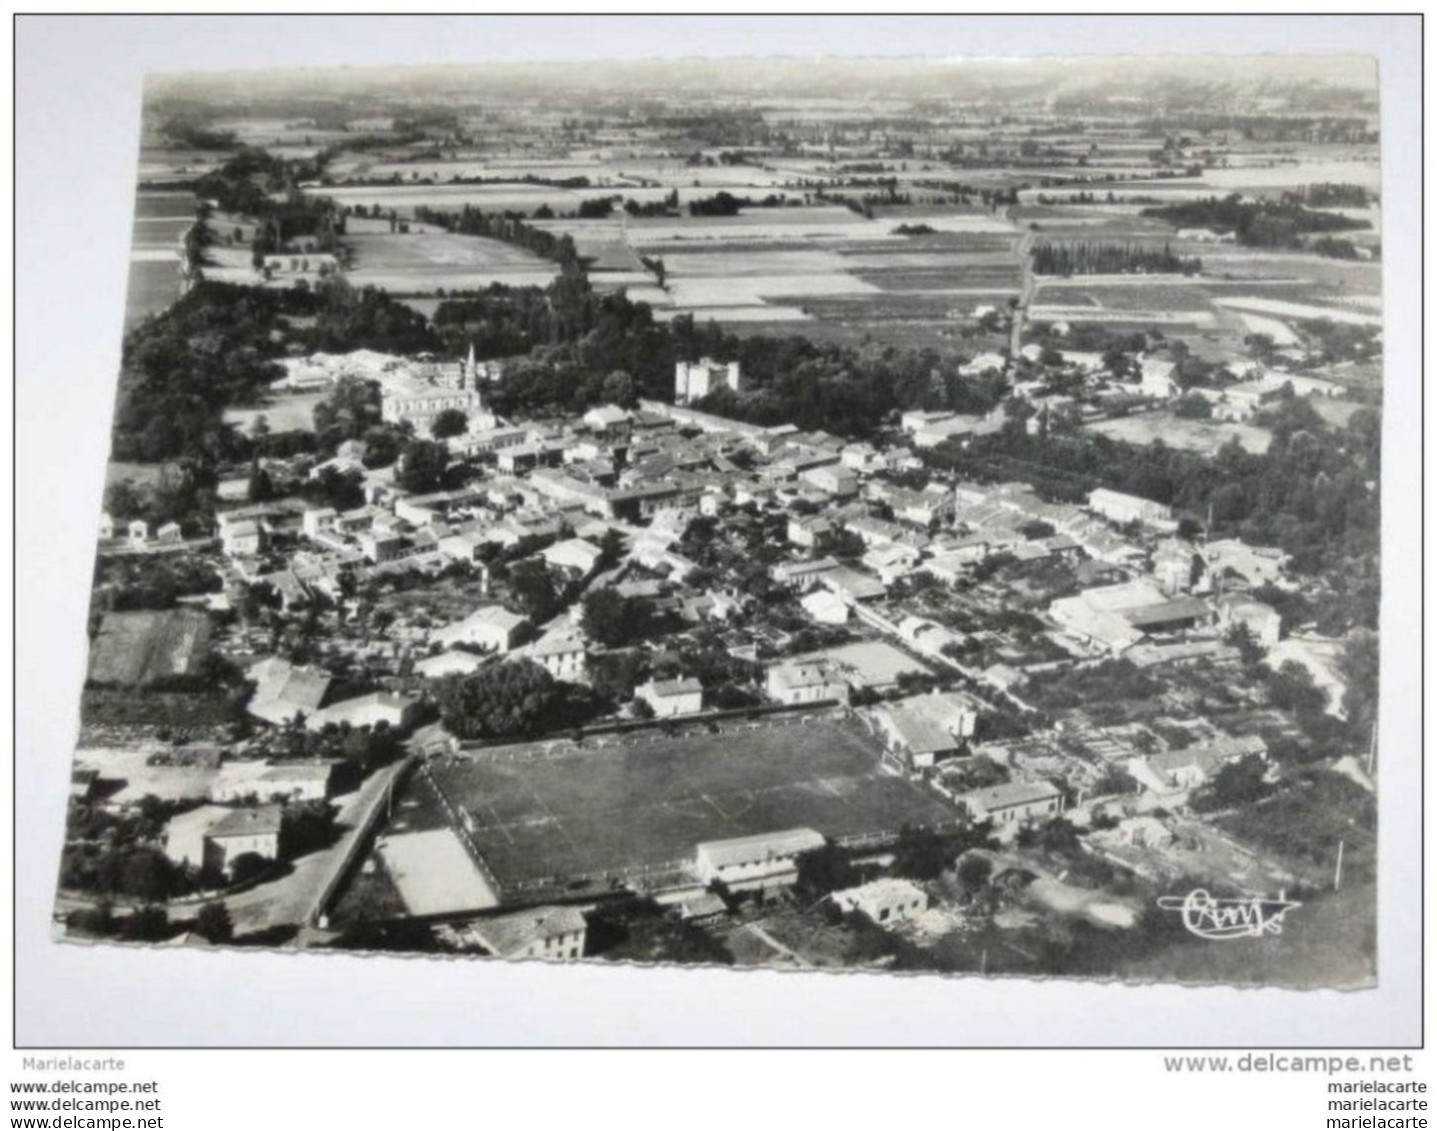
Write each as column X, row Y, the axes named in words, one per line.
column 646, row 800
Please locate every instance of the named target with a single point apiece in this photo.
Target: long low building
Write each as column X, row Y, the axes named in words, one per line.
column 1014, row 802
column 748, row 862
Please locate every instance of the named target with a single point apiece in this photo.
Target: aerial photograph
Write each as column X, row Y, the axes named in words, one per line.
column 888, row 515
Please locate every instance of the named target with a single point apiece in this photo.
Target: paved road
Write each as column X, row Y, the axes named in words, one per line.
column 287, row 900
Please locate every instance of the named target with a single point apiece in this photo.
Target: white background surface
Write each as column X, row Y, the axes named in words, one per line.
column 78, row 100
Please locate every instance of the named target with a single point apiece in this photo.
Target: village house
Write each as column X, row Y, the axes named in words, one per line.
column 1174, row 566
column 1118, row 507
column 1113, row 618
column 1262, row 620
column 396, row 711
column 537, row 932
column 826, row 607
column 243, row 832
column 921, row 731
column 284, row 690
column 808, row 530
column 451, row 662
column 610, row 420
column 832, row 479
column 747, row 863
column 563, row 655
column 492, row 628
column 802, row 575
column 793, row 682
column 1174, row 771
column 1257, row 565
column 574, row 554
column 671, row 697
column 853, row 585
column 269, row 781
column 884, row 901
column 242, row 539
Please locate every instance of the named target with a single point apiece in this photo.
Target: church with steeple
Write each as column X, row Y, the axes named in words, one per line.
column 438, row 389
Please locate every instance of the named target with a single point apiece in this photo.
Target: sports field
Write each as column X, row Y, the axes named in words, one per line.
column 646, row 800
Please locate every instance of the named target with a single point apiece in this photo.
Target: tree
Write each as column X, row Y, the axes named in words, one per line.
column 1248, row 649
column 214, row 923
column 1359, row 664
column 922, row 854
column 421, row 466
column 618, row 388
column 261, row 488
column 449, row 422
column 150, row 923
column 534, row 591
column 974, row 872
column 147, row 874
column 1238, row 783
column 352, row 406
column 612, row 619
column 248, row 866
column 509, row 700
column 123, row 500
column 825, row 870
column 1292, row 688
column 611, row 548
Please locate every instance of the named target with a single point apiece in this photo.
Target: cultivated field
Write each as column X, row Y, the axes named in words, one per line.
column 410, row 263
column 1190, row 435
column 136, row 648
column 646, row 801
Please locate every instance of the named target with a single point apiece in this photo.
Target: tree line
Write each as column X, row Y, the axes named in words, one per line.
column 1088, row 258
column 1256, row 223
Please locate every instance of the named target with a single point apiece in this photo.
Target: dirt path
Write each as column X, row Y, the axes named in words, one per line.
column 1022, row 249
